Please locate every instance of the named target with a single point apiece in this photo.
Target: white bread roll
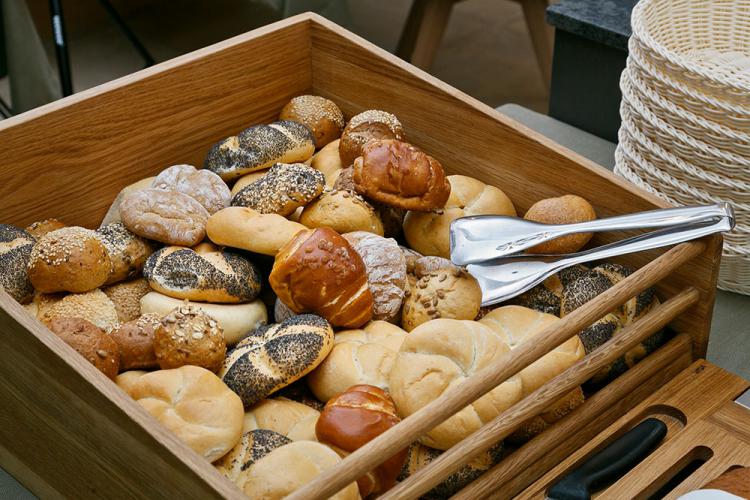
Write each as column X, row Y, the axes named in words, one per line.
column 242, row 227
column 359, row 356
column 235, row 319
column 439, row 355
column 289, row 418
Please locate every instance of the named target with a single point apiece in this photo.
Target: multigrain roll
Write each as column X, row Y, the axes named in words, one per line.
column 319, row 271
column 253, row 446
column 189, row 336
column 342, row 211
column 204, row 273
column 90, row 342
column 204, row 186
column 127, row 251
column 274, row 356
column 284, row 189
column 71, row 259
column 241, row 227
column 135, row 340
column 93, row 306
column 364, row 127
column 170, row 217
column 428, row 232
column 113, row 213
column 126, row 297
column 260, row 147
column 16, row 247
column 320, row 115
column 359, row 356
column 289, row 418
column 566, row 209
column 400, row 175
column 328, row 162
column 40, row 228
column 195, row 404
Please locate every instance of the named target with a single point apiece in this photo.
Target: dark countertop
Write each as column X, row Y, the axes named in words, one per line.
column 602, row 21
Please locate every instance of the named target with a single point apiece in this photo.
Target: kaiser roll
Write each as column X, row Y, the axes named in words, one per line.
column 294, row 420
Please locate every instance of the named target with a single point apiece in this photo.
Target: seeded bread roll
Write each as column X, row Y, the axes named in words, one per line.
column 126, row 297
column 285, row 188
column 93, row 306
column 71, row 259
column 260, row 147
column 342, row 211
column 113, row 214
column 547, row 296
column 320, row 115
column 289, row 418
column 136, row 342
column 16, row 247
column 245, row 180
column 204, row 186
column 40, row 228
column 566, row 209
column 253, row 446
column 364, row 127
column 275, row 356
column 170, row 217
column 90, row 342
column 328, row 161
column 127, row 251
column 235, row 319
column 204, row 273
column 189, row 336
column 241, row 227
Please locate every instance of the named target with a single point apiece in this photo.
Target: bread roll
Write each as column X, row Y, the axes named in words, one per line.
column 113, row 214
column 342, row 211
column 386, row 272
column 71, row 259
column 204, row 186
column 90, row 342
column 16, row 247
column 441, row 290
column 275, row 356
column 547, row 296
column 364, row 127
column 299, row 392
column 289, row 418
column 281, row 312
column 566, row 209
column 288, row 468
column 253, row 446
column 236, row 320
column 93, row 306
column 439, row 355
column 320, row 115
column 204, row 273
column 328, row 162
column 248, row 179
column 284, row 189
column 189, row 336
column 260, row 147
column 127, row 251
column 40, row 228
column 244, row 228
column 428, row 232
column 400, row 175
column 126, row 297
column 362, row 356
column 135, row 340
column 170, row 217
column 319, row 271
column 195, row 404
column 126, row 380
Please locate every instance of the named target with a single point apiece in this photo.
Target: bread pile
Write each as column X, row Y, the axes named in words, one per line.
column 349, row 246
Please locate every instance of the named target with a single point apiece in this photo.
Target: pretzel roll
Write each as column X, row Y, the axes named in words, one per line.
column 127, row 251
column 342, row 211
column 253, row 446
column 352, row 419
column 441, row 354
column 289, row 418
column 364, row 127
column 16, row 247
column 196, row 405
column 320, row 115
column 204, row 186
column 170, row 217
column 274, row 356
column 429, row 232
column 241, row 227
column 284, row 189
column 319, row 271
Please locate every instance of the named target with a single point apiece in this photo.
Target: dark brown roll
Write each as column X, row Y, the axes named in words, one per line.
column 16, row 245
column 136, row 342
column 364, row 127
column 89, row 341
column 127, row 251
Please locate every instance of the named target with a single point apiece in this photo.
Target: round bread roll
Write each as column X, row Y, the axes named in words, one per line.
column 204, row 186
column 126, row 380
column 126, row 297
column 386, row 272
column 352, row 419
column 16, row 247
column 40, row 228
column 400, row 175
column 71, row 259
column 127, row 251
column 236, row 320
column 428, row 232
column 189, row 336
column 301, row 462
column 195, row 405
column 319, row 271
column 260, row 147
column 135, row 340
column 439, row 355
column 364, row 127
column 204, row 273
column 289, row 418
column 248, row 179
column 253, row 446
column 241, row 227
column 440, row 290
column 342, row 211
column 284, row 189
column 320, row 115
column 362, row 356
column 93, row 306
column 170, row 217
column 113, row 213
column 566, row 209
column 90, row 342
column 275, row 356
column 328, row 161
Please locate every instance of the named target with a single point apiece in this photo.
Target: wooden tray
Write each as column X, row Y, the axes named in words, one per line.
column 67, row 430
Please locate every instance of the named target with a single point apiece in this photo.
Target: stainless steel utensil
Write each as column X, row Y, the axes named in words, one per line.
column 502, row 279
column 483, row 237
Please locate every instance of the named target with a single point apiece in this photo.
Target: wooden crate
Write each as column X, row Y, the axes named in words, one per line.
column 67, row 430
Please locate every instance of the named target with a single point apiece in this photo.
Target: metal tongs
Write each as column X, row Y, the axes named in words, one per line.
column 487, row 243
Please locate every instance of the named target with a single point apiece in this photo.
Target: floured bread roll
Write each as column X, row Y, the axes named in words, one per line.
column 204, row 186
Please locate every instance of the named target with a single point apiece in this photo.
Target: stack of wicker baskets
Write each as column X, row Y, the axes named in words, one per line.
column 685, row 109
